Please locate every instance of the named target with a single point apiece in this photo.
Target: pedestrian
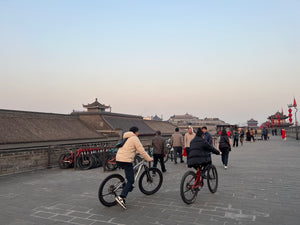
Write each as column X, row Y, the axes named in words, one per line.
column 200, row 152
column 283, row 134
column 188, row 137
column 248, row 135
column 236, row 138
column 242, row 136
column 252, row 135
column 124, row 158
column 207, row 136
column 159, row 150
column 177, row 143
column 264, row 134
column 224, row 146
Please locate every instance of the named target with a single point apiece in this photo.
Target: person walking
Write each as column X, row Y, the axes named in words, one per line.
column 207, row 136
column 124, row 158
column 224, row 146
column 283, row 134
column 159, row 150
column 188, row 137
column 242, row 136
column 236, row 138
column 177, row 143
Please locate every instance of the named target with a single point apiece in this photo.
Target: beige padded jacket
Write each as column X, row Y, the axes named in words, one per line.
column 128, row 151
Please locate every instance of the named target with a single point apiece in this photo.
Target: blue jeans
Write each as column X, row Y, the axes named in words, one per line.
column 159, row 157
column 177, row 152
column 225, row 155
column 129, row 173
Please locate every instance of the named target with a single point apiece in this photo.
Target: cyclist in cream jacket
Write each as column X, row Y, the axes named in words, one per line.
column 125, row 157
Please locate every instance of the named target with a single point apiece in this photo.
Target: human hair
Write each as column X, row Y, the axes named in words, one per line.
column 134, row 129
column 224, row 133
column 176, row 129
column 204, row 128
column 158, row 132
column 199, row 132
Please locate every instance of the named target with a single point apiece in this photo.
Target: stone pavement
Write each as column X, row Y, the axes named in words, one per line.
column 261, row 186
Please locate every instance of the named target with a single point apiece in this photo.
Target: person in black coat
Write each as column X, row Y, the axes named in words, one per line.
column 200, row 150
column 225, row 147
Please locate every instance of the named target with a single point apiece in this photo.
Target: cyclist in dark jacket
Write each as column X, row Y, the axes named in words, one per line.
column 200, row 151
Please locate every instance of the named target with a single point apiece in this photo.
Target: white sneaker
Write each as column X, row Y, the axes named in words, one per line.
column 121, row 202
column 225, row 167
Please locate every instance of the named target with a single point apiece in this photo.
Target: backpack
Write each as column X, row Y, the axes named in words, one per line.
column 121, row 143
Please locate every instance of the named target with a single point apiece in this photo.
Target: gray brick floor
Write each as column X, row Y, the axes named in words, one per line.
column 261, row 186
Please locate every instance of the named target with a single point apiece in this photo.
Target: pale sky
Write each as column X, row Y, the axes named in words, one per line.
column 235, row 60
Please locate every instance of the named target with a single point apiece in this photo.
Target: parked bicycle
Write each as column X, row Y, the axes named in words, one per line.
column 192, row 182
column 150, row 182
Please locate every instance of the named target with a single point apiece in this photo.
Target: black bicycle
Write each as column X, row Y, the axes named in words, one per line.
column 150, row 182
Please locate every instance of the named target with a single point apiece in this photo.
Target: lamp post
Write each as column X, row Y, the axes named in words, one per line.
column 296, row 123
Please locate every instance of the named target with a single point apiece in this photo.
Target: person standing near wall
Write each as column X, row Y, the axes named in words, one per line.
column 242, row 136
column 177, row 143
column 188, row 137
column 159, row 150
column 207, row 136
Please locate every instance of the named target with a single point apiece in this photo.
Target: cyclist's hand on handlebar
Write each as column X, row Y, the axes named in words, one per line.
column 151, row 160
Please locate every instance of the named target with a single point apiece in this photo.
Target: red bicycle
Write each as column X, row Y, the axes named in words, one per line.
column 192, row 182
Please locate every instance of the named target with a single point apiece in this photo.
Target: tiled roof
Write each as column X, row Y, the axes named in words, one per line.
column 24, row 127
column 166, row 128
column 125, row 122
column 95, row 104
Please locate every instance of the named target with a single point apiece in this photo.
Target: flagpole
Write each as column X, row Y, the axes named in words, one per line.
column 297, row 138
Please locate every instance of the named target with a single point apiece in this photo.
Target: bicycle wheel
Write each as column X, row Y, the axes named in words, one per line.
column 212, row 179
column 64, row 161
column 110, row 187
column 85, row 162
column 187, row 192
column 111, row 165
column 150, row 181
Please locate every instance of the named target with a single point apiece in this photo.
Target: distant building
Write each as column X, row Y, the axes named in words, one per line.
column 252, row 123
column 96, row 107
column 183, row 121
column 186, row 119
column 279, row 120
column 156, row 117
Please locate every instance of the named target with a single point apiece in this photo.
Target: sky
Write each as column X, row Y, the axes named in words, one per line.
column 234, row 60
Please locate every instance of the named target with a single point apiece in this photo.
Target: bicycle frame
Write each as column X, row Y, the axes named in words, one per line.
column 199, row 180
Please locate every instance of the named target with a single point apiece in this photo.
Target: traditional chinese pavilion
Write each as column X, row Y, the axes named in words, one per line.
column 278, row 120
column 96, row 107
column 252, row 123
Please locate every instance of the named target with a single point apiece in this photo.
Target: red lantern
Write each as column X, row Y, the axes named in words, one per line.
column 290, row 116
column 279, row 120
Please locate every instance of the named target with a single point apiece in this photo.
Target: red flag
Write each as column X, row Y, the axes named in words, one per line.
column 295, row 103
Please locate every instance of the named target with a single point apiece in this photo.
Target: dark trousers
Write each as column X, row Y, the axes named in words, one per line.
column 225, row 156
column 128, row 168
column 159, row 157
column 177, row 153
column 235, row 142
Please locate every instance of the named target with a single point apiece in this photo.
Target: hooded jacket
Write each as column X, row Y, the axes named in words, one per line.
column 128, row 151
column 199, row 152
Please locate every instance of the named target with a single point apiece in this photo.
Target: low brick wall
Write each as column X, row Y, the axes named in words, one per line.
column 291, row 132
column 29, row 159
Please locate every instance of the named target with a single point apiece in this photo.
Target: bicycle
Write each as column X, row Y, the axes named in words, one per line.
column 150, row 182
column 191, row 183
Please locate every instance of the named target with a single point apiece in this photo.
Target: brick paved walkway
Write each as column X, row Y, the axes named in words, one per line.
column 261, row 186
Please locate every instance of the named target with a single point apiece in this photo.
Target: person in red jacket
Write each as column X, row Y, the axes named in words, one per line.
column 283, row 134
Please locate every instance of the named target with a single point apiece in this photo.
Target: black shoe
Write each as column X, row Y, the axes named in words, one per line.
column 181, row 161
column 164, row 171
column 175, row 162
